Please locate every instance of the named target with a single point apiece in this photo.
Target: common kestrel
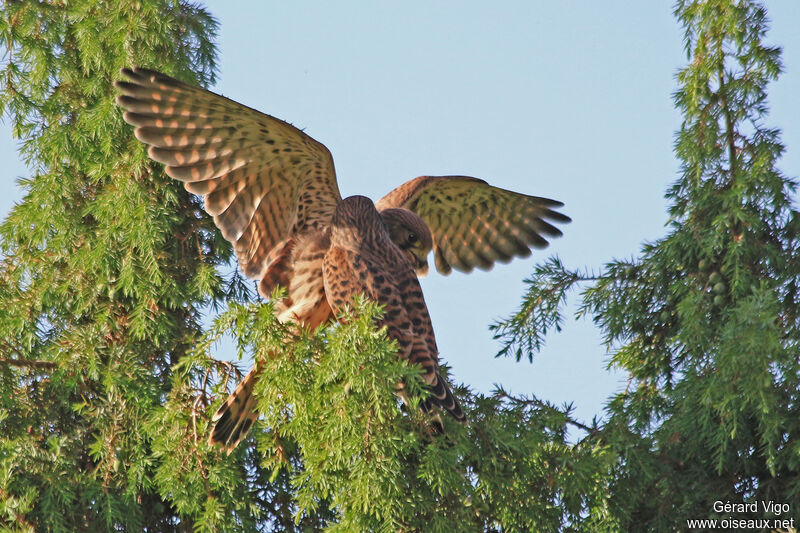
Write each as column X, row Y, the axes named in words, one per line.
column 272, row 192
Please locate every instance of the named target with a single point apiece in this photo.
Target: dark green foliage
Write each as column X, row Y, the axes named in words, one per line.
column 346, row 456
column 704, row 320
column 105, row 266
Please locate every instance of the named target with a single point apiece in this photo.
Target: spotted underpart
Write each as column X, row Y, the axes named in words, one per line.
column 272, row 191
column 363, row 260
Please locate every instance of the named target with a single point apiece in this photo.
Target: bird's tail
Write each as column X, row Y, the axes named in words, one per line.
column 442, row 397
column 236, row 415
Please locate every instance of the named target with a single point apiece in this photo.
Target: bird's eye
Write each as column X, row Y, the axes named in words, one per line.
column 412, row 238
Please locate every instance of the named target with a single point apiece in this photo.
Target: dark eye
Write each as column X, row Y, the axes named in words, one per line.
column 412, row 238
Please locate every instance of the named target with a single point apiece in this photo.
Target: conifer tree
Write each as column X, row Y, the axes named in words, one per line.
column 106, row 380
column 106, row 266
column 705, row 320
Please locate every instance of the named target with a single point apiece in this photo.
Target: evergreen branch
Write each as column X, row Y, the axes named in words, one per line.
column 730, row 133
column 19, row 517
column 535, row 402
column 524, row 332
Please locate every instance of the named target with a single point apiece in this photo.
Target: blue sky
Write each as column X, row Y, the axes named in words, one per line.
column 567, row 100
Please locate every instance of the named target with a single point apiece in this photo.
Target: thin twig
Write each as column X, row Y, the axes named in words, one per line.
column 28, row 363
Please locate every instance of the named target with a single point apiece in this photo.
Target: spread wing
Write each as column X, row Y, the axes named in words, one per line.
column 474, row 224
column 263, row 180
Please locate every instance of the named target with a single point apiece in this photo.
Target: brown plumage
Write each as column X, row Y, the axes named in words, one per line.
column 474, row 224
column 273, row 193
column 363, row 260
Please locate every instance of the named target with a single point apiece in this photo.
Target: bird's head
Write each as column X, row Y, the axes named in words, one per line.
column 409, row 233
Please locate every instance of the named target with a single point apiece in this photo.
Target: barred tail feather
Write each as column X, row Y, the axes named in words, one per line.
column 442, row 396
column 435, row 425
column 236, row 415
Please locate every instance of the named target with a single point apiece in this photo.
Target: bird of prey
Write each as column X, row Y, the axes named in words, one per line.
column 271, row 190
